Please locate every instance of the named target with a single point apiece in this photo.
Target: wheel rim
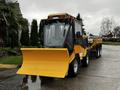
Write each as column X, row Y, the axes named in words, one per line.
column 75, row 67
column 98, row 52
column 87, row 60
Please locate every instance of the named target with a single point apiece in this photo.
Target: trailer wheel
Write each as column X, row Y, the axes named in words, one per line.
column 86, row 61
column 73, row 68
column 98, row 53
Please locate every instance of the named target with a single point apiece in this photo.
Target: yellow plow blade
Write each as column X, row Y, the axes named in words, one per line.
column 50, row 62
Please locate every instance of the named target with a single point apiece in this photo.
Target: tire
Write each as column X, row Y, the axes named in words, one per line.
column 86, row 61
column 73, row 68
column 98, row 53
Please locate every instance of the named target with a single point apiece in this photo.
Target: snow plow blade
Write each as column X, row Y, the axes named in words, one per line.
column 49, row 62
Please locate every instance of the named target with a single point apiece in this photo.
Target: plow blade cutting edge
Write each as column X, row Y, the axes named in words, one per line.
column 49, row 62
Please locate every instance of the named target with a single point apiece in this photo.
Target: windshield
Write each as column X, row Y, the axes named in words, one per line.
column 55, row 34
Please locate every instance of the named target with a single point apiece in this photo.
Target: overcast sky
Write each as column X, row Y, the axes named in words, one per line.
column 92, row 11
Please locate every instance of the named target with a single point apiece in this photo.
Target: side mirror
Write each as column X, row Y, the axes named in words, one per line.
column 78, row 34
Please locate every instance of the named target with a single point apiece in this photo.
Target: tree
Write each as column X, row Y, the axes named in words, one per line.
column 11, row 26
column 25, row 32
column 34, row 33
column 5, row 12
column 107, row 26
column 41, row 32
column 78, row 16
column 110, row 34
column 116, row 31
column 13, row 30
column 80, row 19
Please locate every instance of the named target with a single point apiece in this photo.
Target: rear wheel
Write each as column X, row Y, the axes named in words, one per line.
column 85, row 61
column 98, row 53
column 73, row 68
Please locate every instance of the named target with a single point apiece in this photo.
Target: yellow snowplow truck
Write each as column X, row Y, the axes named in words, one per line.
column 64, row 47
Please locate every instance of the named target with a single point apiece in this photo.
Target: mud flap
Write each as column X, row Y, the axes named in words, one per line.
column 49, row 62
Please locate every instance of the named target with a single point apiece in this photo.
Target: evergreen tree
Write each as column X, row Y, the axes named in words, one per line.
column 41, row 33
column 78, row 16
column 80, row 19
column 13, row 30
column 25, row 32
column 34, row 33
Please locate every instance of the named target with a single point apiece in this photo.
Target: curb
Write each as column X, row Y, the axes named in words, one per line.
column 7, row 66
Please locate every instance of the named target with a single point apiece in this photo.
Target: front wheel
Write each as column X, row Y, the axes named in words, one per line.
column 85, row 61
column 73, row 68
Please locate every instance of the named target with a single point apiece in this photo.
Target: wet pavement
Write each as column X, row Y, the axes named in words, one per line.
column 102, row 74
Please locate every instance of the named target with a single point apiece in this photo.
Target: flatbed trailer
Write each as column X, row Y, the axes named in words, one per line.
column 64, row 48
column 95, row 46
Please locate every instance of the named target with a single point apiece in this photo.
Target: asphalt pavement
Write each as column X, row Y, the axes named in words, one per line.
column 102, row 74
